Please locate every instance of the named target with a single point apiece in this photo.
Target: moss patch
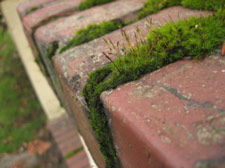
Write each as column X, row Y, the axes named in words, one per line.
column 194, row 37
column 34, row 8
column 153, row 6
column 213, row 5
column 73, row 153
column 51, row 50
column 90, row 3
column 92, row 32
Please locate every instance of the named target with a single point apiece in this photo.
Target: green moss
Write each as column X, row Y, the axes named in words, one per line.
column 194, row 37
column 90, row 3
column 71, row 154
column 91, row 32
column 153, row 6
column 34, row 8
column 52, row 49
column 204, row 4
column 94, row 31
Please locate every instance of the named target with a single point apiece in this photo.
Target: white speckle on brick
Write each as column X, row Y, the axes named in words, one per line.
column 113, row 108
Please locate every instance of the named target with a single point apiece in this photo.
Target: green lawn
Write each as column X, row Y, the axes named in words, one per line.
column 21, row 115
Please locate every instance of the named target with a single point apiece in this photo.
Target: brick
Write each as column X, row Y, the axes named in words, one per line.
column 68, row 140
column 66, row 135
column 63, row 29
column 175, row 116
column 72, row 70
column 70, row 143
column 27, row 5
column 70, row 149
column 80, row 160
column 59, row 8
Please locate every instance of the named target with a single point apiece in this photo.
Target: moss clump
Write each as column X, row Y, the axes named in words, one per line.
column 91, row 32
column 94, row 31
column 153, row 6
column 194, row 37
column 52, row 49
column 213, row 5
column 90, row 3
column 34, row 8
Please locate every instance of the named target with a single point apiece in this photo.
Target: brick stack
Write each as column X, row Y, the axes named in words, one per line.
column 154, row 122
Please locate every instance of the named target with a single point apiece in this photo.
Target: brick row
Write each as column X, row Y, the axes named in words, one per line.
column 74, row 65
column 173, row 117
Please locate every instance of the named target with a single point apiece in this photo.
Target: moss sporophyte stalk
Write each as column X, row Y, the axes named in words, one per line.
column 92, row 32
column 194, row 37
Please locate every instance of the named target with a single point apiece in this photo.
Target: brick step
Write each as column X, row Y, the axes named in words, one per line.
column 42, row 34
column 28, row 6
column 74, row 65
column 174, row 117
column 66, row 137
column 51, row 11
column 63, row 29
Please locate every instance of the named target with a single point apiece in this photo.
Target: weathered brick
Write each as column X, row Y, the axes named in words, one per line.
column 67, row 135
column 73, row 66
column 68, row 140
column 175, row 115
column 73, row 142
column 63, row 29
column 78, row 161
column 71, row 148
column 56, row 9
column 24, row 7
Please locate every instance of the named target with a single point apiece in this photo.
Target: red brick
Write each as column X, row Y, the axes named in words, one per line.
column 66, row 135
column 80, row 160
column 27, row 5
column 83, row 125
column 46, row 13
column 63, row 29
column 73, row 65
column 175, row 115
column 70, row 149
column 71, row 142
column 60, row 126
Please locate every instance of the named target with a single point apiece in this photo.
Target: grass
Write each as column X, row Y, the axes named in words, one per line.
column 90, row 3
column 21, row 115
column 91, row 32
column 194, row 37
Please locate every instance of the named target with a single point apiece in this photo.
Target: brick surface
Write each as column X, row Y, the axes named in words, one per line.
column 68, row 141
column 27, row 5
column 73, row 65
column 174, row 117
column 63, row 29
column 59, row 8
column 80, row 161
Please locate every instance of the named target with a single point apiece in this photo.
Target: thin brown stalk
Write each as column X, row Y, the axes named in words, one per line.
column 111, row 61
